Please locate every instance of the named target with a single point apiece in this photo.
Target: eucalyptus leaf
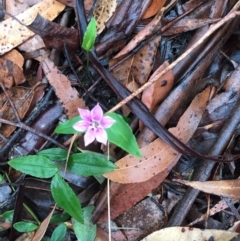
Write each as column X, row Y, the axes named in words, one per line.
column 25, row 227
column 66, row 198
column 67, row 126
column 90, row 35
column 121, row 135
column 37, row 166
column 88, row 164
column 54, row 154
column 86, row 231
column 59, row 232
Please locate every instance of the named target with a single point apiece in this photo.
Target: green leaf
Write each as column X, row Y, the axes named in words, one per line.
column 88, row 164
column 66, row 198
column 37, row 166
column 60, row 217
column 24, row 227
column 86, row 231
column 90, row 35
column 8, row 216
column 121, row 135
column 59, row 232
column 66, row 127
column 54, row 154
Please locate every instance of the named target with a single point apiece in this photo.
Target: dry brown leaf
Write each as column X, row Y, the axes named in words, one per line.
column 154, row 7
column 139, row 65
column 67, row 95
column 21, row 98
column 11, row 71
column 103, row 11
column 143, row 60
column 12, row 33
column 189, row 234
column 155, row 93
column 228, row 188
column 157, row 156
column 43, row 227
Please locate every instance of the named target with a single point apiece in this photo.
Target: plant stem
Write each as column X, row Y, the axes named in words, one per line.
column 87, row 60
column 108, row 197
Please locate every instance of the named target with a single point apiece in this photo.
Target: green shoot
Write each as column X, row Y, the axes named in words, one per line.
column 89, row 37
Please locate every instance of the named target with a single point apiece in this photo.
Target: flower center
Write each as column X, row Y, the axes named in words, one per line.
column 95, row 124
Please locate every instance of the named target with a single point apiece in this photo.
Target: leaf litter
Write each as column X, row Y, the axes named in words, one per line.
column 133, row 66
column 157, row 156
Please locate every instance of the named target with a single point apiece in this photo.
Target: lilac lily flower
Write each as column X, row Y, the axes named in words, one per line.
column 94, row 124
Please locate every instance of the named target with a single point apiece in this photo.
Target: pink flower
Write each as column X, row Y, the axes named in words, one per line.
column 94, row 124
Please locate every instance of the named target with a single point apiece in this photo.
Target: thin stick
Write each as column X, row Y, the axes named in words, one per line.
column 28, row 128
column 212, row 29
column 109, row 213
column 108, row 201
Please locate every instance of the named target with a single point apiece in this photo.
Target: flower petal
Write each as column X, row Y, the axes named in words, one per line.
column 97, row 113
column 90, row 136
column 81, row 126
column 85, row 114
column 101, row 135
column 106, row 122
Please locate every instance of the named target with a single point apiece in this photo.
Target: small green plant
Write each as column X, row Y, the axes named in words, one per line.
column 89, row 37
column 95, row 126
